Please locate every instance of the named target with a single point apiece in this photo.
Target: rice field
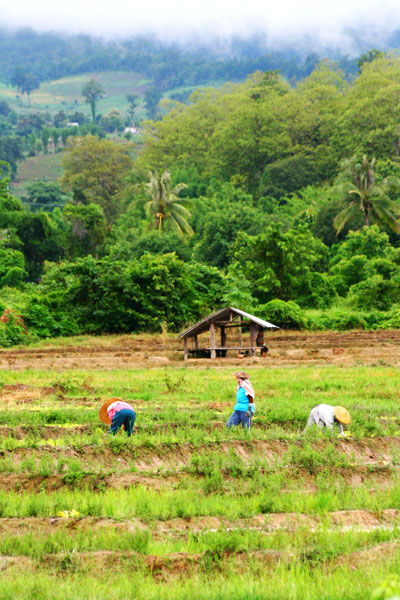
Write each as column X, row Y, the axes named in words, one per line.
column 187, row 508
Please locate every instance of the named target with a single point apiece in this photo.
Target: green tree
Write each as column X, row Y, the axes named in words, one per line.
column 217, row 221
column 12, row 267
column 93, row 91
column 368, row 57
column 370, row 112
column 108, row 295
column 95, row 171
column 132, row 101
column 88, row 229
column 152, row 97
column 164, row 204
column 358, row 189
column 55, row 135
column 45, row 195
column 32, row 143
column 282, row 264
column 11, row 151
column 112, row 121
column 25, row 82
column 60, row 119
column 45, row 136
column 42, row 240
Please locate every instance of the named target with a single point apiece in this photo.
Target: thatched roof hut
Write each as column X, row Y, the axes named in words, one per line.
column 225, row 319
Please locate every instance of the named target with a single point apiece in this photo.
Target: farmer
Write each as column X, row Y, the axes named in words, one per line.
column 326, row 415
column 244, row 408
column 118, row 413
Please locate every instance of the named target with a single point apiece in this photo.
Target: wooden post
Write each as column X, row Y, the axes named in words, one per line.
column 212, row 340
column 185, row 349
column 223, row 336
column 253, row 334
column 240, row 337
column 196, row 342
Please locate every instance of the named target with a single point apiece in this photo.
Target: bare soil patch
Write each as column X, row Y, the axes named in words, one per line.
column 141, row 351
column 359, row 520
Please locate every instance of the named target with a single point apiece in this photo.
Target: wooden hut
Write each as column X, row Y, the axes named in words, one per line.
column 225, row 319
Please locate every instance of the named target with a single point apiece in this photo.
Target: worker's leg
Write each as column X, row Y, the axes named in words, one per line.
column 129, row 422
column 117, row 422
column 244, row 419
column 311, row 420
column 234, row 419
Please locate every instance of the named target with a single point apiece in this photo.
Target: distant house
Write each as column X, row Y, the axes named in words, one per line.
column 131, row 130
column 73, row 124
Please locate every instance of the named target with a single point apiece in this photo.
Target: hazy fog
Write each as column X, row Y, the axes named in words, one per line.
column 329, row 23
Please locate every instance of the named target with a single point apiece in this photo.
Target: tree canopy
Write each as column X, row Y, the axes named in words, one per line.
column 95, row 171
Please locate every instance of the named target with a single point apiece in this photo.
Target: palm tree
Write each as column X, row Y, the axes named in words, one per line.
column 357, row 187
column 164, row 203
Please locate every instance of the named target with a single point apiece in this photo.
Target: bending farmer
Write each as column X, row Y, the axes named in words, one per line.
column 326, row 415
column 118, row 413
column 244, row 408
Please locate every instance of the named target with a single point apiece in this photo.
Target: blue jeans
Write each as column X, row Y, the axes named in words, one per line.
column 124, row 417
column 237, row 417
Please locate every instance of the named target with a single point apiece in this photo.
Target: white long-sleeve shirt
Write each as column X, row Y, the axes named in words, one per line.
column 321, row 415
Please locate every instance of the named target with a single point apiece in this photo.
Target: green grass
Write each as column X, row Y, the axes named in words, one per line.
column 43, row 166
column 184, row 465
column 65, row 94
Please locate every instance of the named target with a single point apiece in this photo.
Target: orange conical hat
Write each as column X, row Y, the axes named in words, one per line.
column 103, row 414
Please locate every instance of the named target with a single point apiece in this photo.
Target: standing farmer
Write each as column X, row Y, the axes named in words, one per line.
column 118, row 413
column 244, row 408
column 326, row 415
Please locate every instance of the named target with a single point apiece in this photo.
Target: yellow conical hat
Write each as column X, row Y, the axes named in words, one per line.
column 342, row 415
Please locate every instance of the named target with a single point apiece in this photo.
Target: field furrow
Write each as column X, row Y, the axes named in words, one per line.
column 185, row 504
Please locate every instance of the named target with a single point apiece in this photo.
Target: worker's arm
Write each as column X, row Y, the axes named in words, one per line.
column 250, row 408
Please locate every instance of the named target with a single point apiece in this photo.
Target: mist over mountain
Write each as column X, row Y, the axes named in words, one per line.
column 198, row 60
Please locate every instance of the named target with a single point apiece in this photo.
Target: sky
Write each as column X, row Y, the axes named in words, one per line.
column 284, row 20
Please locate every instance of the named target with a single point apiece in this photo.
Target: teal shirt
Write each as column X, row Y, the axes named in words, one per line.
column 242, row 401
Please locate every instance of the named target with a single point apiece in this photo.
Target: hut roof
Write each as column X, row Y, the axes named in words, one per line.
column 221, row 315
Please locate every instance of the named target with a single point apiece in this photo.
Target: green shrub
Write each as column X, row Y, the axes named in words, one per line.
column 12, row 332
column 340, row 320
column 38, row 318
column 316, row 290
column 374, row 293
column 287, row 315
column 389, row 320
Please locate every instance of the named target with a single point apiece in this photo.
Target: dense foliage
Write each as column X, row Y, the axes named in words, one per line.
column 280, row 200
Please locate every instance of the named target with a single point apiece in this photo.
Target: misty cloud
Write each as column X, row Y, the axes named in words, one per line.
column 328, row 24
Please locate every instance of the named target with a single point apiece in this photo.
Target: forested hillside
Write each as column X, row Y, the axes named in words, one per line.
column 169, row 65
column 280, row 199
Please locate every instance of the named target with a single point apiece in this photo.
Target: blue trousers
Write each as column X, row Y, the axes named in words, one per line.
column 237, row 417
column 124, row 417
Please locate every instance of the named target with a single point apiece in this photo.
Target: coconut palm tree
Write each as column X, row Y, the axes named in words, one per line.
column 164, row 203
column 356, row 185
